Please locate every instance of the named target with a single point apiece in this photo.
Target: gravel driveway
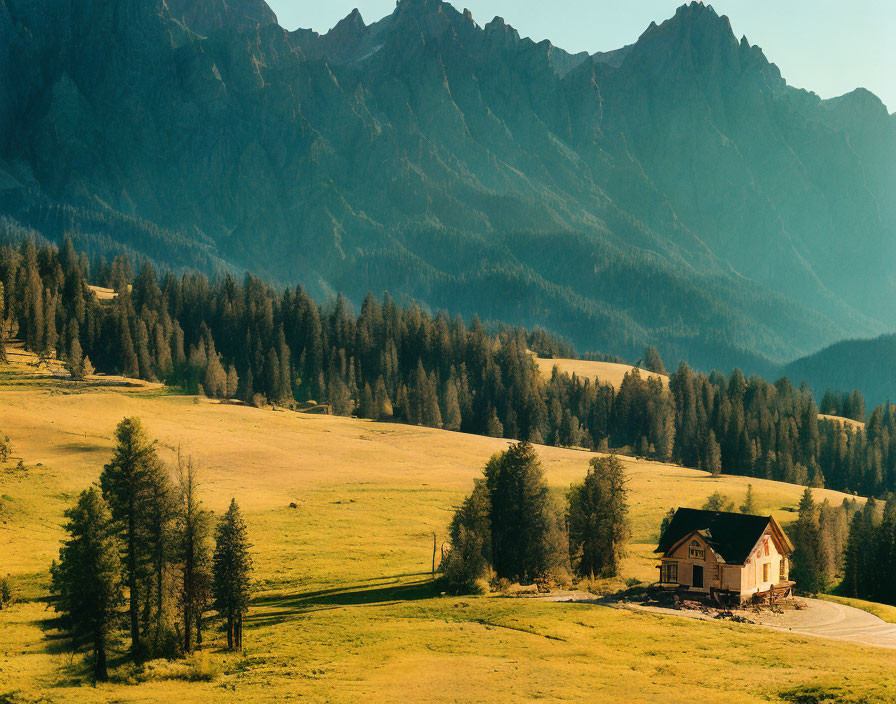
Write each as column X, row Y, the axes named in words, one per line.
column 821, row 618
column 831, row 620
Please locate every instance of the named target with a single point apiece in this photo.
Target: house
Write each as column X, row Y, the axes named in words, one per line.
column 727, row 557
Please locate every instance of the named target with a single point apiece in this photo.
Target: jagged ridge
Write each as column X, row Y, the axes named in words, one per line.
column 447, row 161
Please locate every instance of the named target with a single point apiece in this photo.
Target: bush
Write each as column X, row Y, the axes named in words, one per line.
column 198, row 667
column 7, row 592
column 465, row 567
column 5, row 448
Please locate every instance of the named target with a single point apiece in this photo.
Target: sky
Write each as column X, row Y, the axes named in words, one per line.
column 828, row 46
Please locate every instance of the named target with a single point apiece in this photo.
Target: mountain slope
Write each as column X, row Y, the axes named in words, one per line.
column 674, row 192
column 866, row 365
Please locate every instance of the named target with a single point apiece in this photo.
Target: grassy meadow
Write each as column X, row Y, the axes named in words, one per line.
column 345, row 609
column 604, row 372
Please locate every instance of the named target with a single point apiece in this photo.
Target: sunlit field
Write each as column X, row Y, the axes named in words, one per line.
column 345, row 608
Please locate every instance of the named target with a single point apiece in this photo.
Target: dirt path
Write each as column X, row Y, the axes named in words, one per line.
column 831, row 620
column 825, row 619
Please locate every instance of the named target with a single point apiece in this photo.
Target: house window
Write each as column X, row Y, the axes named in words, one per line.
column 766, row 547
column 695, row 551
column 670, row 573
column 718, row 573
column 782, row 569
column 765, row 572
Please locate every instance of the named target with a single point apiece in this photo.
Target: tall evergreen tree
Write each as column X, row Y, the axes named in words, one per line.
column 131, row 483
column 194, row 554
column 749, row 505
column 471, row 541
column 231, row 568
column 86, row 582
column 382, row 405
column 653, row 362
column 518, row 497
column 806, row 570
column 597, row 516
column 451, row 415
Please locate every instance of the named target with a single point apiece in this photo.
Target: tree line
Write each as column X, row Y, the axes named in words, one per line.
column 247, row 340
column 869, row 559
column 140, row 539
column 847, row 549
column 511, row 528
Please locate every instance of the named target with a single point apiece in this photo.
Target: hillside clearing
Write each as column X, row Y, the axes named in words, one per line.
column 849, row 422
column 602, row 372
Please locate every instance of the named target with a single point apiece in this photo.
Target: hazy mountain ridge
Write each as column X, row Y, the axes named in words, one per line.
column 454, row 163
column 866, row 365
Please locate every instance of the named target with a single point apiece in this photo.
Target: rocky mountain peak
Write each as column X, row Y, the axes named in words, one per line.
column 206, row 16
column 351, row 25
column 701, row 19
column 499, row 28
column 418, row 6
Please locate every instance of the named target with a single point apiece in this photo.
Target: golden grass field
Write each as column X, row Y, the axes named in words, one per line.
column 602, row 372
column 849, row 422
column 345, row 609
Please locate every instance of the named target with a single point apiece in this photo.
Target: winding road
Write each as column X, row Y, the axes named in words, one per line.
column 832, row 620
column 825, row 619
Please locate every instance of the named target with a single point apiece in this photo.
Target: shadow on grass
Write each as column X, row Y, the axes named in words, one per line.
column 279, row 607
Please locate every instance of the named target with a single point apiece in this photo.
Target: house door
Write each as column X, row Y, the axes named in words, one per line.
column 698, row 576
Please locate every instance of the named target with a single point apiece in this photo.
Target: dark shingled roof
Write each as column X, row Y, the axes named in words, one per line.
column 731, row 535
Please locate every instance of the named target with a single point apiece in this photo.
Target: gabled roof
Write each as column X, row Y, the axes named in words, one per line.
column 731, row 535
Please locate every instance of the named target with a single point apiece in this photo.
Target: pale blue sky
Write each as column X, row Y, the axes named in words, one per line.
column 828, row 46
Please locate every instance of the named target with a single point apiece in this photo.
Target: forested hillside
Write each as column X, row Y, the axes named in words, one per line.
column 247, row 340
column 867, row 365
column 676, row 192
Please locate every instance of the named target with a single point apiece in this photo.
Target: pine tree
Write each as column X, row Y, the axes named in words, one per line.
column 749, row 506
column 232, row 567
column 194, row 553
column 518, row 497
column 144, row 360
column 597, row 516
column 86, row 582
column 471, row 541
column 271, row 376
column 131, row 482
column 130, row 366
column 159, row 541
column 417, row 389
column 711, row 457
column 214, row 380
column 432, row 416
column 451, row 407
column 856, row 546
column 653, row 362
column 806, row 570
column 494, row 428
column 163, row 363
column 366, row 407
column 284, row 391
column 338, row 395
column 382, row 405
column 51, row 335
column 233, row 382
column 75, row 361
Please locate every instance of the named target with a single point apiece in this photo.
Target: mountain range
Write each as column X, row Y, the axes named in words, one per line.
column 674, row 192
